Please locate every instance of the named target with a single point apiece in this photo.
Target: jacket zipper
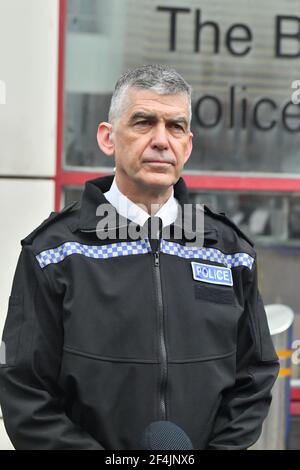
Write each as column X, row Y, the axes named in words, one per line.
column 162, row 341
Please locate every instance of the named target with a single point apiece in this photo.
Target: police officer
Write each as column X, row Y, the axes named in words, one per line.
column 111, row 327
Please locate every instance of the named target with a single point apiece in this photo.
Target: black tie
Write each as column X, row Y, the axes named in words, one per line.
column 152, row 229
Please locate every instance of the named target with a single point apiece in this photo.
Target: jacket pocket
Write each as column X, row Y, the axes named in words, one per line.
column 204, row 327
column 12, row 331
column 218, row 315
column 220, row 294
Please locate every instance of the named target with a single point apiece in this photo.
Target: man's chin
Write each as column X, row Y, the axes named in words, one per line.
column 158, row 181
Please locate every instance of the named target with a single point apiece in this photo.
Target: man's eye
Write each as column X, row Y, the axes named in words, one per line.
column 177, row 127
column 142, row 123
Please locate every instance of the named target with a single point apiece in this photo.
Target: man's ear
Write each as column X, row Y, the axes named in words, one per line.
column 105, row 138
column 189, row 148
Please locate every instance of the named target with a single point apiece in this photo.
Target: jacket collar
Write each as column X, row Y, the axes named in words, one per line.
column 167, row 212
column 93, row 196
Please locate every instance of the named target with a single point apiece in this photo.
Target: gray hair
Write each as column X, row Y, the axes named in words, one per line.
column 155, row 77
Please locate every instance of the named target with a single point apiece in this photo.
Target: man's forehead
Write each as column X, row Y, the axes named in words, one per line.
column 148, row 101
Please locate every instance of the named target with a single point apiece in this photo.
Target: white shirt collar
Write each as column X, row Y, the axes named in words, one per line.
column 133, row 212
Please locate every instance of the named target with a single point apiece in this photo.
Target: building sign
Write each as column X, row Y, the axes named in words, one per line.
column 241, row 59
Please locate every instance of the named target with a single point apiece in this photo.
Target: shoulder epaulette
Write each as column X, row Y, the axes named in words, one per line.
column 226, row 220
column 52, row 217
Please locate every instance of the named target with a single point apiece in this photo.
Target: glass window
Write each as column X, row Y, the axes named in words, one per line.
column 243, row 118
column 83, row 112
column 266, row 218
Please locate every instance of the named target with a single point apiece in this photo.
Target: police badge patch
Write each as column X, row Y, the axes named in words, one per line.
column 212, row 274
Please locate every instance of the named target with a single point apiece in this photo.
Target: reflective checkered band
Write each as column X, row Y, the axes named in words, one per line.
column 56, row 255
column 211, row 254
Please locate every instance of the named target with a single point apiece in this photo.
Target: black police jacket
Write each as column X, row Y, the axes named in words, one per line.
column 106, row 334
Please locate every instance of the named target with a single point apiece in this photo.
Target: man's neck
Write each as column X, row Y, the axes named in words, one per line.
column 150, row 199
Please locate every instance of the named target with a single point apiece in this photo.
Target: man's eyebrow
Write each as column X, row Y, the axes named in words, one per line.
column 153, row 117
column 142, row 115
column 178, row 120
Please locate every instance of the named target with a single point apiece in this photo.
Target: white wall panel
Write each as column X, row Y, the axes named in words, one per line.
column 24, row 204
column 28, row 68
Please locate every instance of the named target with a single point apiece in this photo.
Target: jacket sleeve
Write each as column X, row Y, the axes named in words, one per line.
column 245, row 406
column 32, row 342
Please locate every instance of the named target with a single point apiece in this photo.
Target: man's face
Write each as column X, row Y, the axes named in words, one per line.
column 152, row 140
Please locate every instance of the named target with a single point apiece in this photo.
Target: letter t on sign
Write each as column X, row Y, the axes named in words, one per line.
column 173, row 24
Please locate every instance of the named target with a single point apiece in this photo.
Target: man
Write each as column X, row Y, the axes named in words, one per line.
column 112, row 326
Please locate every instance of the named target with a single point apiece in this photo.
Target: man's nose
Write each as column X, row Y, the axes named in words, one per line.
column 160, row 138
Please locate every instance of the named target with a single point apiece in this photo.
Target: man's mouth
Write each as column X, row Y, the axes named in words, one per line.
column 153, row 161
